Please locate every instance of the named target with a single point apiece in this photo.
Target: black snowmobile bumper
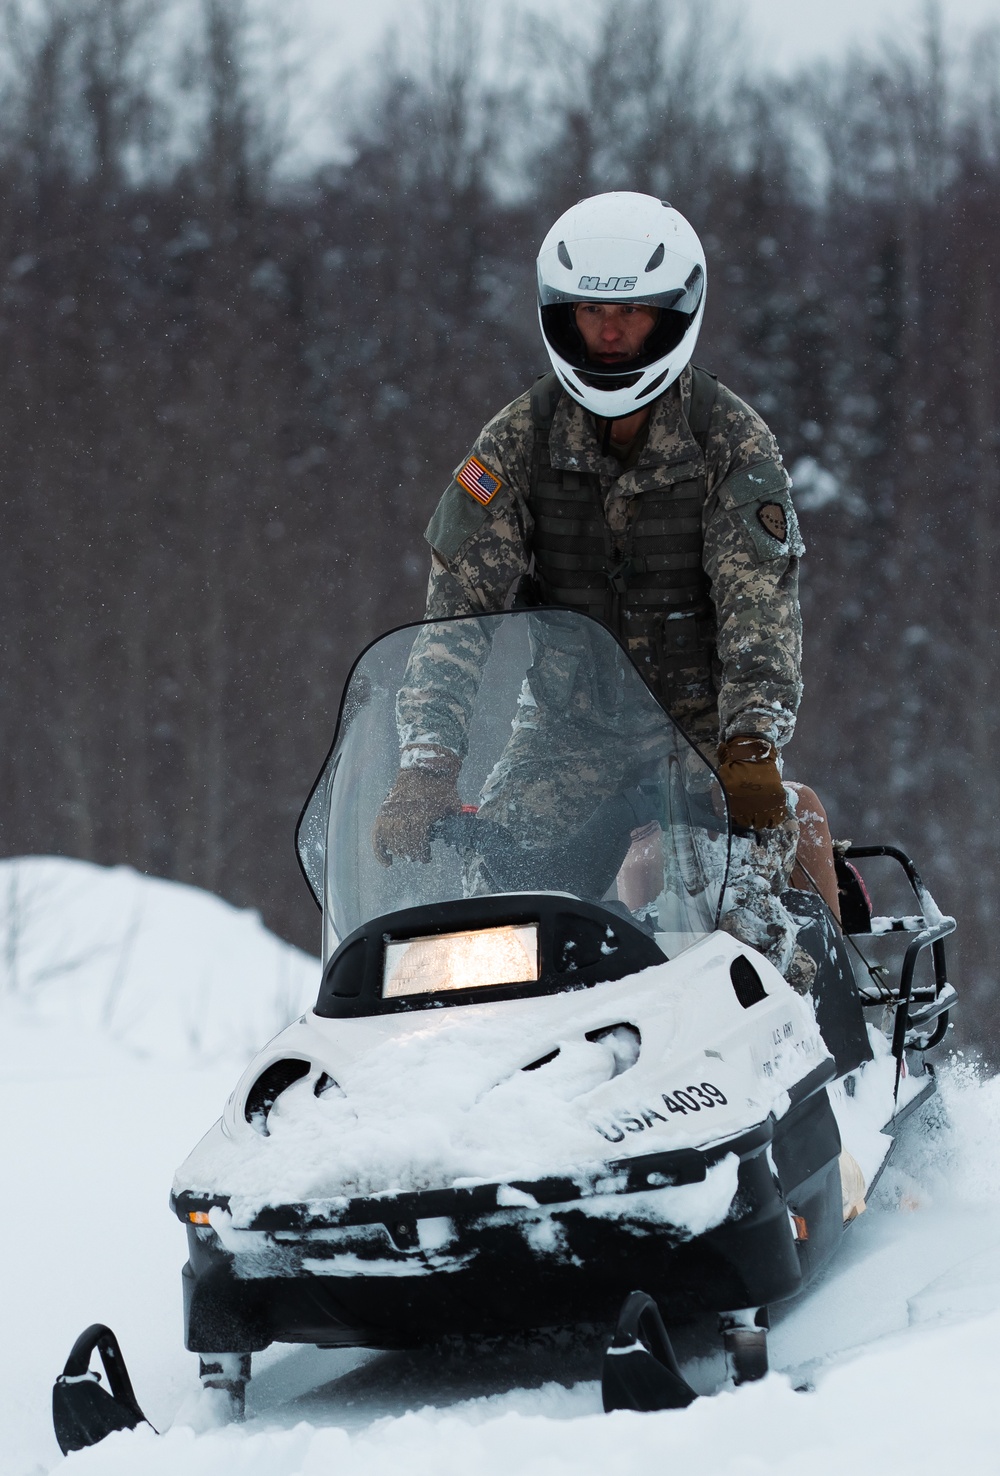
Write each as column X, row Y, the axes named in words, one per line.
column 399, row 1271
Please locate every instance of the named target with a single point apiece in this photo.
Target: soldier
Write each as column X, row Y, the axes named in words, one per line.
column 635, row 487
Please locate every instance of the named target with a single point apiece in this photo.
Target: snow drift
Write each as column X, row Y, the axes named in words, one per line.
column 165, row 970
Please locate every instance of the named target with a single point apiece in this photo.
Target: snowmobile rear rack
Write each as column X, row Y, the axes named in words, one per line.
column 921, row 1014
column 929, row 914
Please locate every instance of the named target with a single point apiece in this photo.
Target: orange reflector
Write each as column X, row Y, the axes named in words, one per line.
column 799, row 1221
column 198, row 1217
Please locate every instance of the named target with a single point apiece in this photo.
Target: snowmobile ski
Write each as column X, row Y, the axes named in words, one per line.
column 82, row 1412
column 641, row 1371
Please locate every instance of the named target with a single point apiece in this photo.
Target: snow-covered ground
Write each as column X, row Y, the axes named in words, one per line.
column 128, row 1007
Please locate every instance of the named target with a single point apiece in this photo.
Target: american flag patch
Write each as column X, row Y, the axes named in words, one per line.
column 477, row 481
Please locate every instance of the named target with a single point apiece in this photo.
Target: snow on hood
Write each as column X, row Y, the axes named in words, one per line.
column 467, row 1113
column 441, row 1098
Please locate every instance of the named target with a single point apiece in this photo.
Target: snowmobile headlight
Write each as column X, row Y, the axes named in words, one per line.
column 473, row 960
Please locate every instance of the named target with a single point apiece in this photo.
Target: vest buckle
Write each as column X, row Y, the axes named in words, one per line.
column 618, row 576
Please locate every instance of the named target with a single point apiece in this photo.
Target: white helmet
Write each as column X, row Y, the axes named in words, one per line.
column 621, row 247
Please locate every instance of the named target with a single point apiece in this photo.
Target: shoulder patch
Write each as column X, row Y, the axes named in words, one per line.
column 758, row 496
column 771, row 516
column 478, row 481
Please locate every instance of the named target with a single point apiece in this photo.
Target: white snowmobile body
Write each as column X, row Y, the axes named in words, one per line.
column 537, row 1074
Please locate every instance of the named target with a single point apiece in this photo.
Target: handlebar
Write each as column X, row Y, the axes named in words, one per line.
column 586, row 864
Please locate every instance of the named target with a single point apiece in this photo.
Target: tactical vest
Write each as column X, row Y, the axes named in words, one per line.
column 648, row 584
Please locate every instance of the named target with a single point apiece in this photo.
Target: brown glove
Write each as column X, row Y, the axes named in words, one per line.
column 420, row 796
column 748, row 768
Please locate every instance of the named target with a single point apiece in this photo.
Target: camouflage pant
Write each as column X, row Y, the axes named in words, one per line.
column 551, row 778
column 759, row 870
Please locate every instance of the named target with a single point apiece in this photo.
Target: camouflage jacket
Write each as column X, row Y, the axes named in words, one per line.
column 481, row 550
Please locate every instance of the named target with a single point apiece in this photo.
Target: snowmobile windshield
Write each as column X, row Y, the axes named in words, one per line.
column 569, row 777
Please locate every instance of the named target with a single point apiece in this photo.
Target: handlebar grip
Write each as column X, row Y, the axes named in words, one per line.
column 454, row 830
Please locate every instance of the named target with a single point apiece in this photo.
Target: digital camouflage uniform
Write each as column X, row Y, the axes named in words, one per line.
column 749, row 548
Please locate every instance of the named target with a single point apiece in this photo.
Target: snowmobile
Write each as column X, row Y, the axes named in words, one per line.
column 540, row 1085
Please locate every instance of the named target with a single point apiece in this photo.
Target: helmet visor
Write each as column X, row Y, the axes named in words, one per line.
column 564, row 337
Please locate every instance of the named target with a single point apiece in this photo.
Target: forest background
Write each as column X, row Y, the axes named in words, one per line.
column 232, row 390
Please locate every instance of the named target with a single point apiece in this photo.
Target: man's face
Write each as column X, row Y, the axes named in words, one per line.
column 614, row 332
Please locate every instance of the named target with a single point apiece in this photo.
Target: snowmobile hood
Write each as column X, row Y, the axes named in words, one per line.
column 514, row 1090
